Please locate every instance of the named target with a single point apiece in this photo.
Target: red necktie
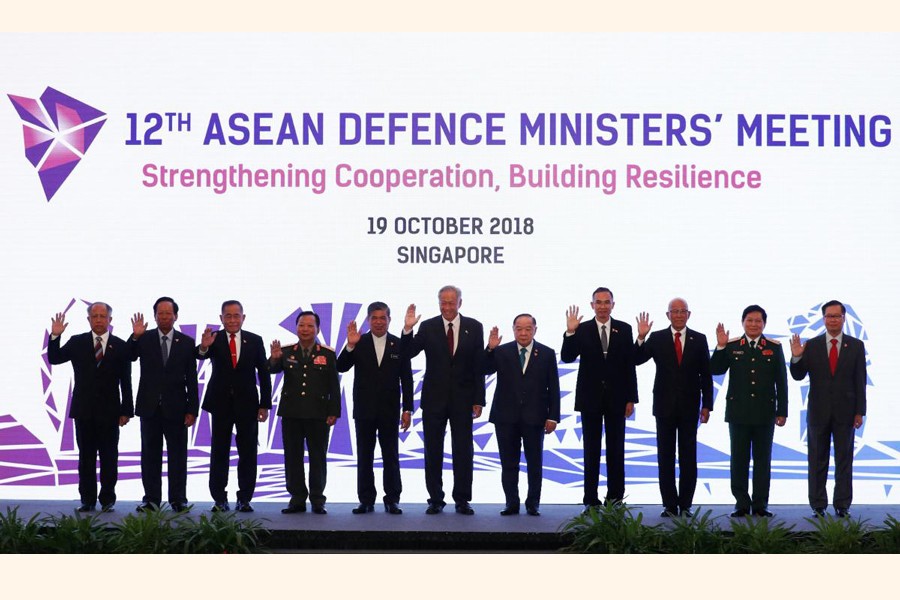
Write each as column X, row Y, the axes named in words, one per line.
column 450, row 337
column 233, row 348
column 678, row 347
column 832, row 357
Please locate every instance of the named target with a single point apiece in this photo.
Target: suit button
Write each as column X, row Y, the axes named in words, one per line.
column 753, row 395
column 304, row 384
column 752, row 360
column 751, row 383
column 302, row 393
column 752, row 370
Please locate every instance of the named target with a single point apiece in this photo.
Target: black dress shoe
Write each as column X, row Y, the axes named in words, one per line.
column 818, row 513
column 510, row 510
column 108, row 507
column 363, row 508
column 668, row 514
column 319, row 509
column 763, row 513
column 434, row 508
column 842, row 513
column 464, row 509
column 738, row 513
column 243, row 507
column 294, row 508
column 591, row 507
column 686, row 512
column 220, row 507
column 179, row 507
column 533, row 511
column 146, row 507
column 86, row 508
column 392, row 508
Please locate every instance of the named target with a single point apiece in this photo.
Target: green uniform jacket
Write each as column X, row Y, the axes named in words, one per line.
column 311, row 388
column 757, row 386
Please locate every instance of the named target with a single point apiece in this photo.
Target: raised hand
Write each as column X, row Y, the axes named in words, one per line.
column 644, row 325
column 352, row 335
column 207, row 339
column 721, row 335
column 58, row 324
column 797, row 348
column 572, row 319
column 276, row 351
column 411, row 318
column 138, row 326
column 494, row 338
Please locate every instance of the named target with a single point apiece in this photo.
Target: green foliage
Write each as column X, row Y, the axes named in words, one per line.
column 16, row 535
column 694, row 535
column 156, row 532
column 762, row 536
column 886, row 540
column 611, row 530
column 836, row 536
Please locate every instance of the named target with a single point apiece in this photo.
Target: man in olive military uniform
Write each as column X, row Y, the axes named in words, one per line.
column 310, row 404
column 756, row 401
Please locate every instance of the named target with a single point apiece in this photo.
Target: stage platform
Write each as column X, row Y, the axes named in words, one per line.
column 414, row 531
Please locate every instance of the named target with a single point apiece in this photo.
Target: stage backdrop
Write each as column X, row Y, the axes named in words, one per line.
column 327, row 171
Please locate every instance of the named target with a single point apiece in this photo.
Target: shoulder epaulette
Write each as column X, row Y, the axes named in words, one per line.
column 735, row 339
column 776, row 342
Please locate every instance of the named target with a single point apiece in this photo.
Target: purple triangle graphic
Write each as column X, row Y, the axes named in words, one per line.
column 29, row 111
column 52, row 98
column 37, row 152
column 52, row 179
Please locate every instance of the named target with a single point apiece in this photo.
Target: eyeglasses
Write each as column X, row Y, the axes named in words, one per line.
column 678, row 311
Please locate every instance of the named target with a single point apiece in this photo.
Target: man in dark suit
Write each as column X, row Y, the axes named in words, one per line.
column 836, row 405
column 310, row 404
column 681, row 388
column 234, row 403
column 452, row 391
column 167, row 402
column 525, row 408
column 101, row 400
column 605, row 392
column 381, row 371
column 756, row 402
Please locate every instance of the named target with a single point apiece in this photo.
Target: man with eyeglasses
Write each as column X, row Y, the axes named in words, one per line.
column 605, row 391
column 836, row 405
column 681, row 388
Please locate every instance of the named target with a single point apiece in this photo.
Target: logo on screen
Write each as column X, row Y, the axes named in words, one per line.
column 58, row 130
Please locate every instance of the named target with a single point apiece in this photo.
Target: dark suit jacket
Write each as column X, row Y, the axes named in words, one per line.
column 604, row 384
column 96, row 393
column 237, row 385
column 450, row 384
column 311, row 388
column 377, row 389
column 678, row 390
column 840, row 396
column 531, row 397
column 757, row 380
column 173, row 386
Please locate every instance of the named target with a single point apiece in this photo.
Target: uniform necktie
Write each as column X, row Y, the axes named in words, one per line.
column 522, row 354
column 450, row 337
column 604, row 341
column 98, row 350
column 233, row 347
column 832, row 356
column 753, row 345
column 165, row 349
column 305, row 353
column 678, row 349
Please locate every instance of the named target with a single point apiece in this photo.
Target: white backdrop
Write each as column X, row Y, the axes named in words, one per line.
column 819, row 226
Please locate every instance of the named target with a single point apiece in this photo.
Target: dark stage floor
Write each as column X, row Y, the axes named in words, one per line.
column 487, row 530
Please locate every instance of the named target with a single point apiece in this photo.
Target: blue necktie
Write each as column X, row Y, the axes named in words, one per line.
column 522, row 354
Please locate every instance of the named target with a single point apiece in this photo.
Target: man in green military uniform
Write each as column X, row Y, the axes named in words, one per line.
column 310, row 404
column 756, row 402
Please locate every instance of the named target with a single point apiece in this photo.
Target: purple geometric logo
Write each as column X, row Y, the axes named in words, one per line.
column 58, row 131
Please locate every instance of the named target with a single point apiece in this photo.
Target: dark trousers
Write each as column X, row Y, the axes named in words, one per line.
column 819, row 448
column 592, row 428
column 511, row 437
column 314, row 433
column 153, row 430
column 246, row 429
column 97, row 436
column 385, row 429
column 680, row 432
column 747, row 440
column 435, row 428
